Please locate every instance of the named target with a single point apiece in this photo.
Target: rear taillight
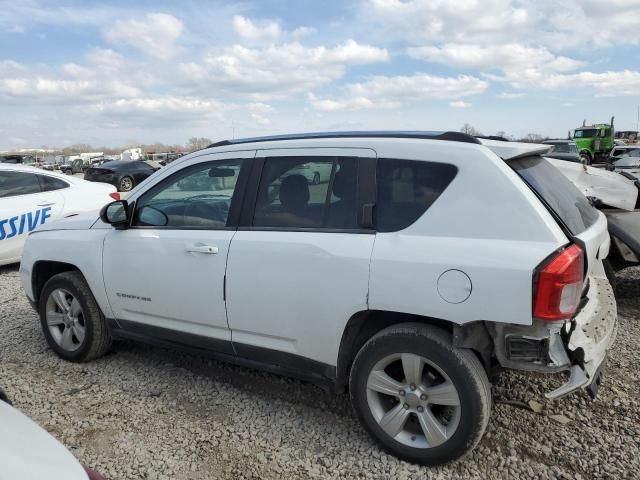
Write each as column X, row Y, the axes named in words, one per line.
column 93, row 475
column 559, row 285
column 115, row 195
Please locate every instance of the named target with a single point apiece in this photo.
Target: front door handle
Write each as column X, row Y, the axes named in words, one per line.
column 209, row 249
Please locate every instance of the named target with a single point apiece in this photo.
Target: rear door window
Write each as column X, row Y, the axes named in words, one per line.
column 406, row 189
column 308, row 192
column 558, row 192
column 51, row 183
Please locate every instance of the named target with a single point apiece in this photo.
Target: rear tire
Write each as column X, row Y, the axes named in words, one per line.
column 71, row 320
column 125, row 184
column 420, row 398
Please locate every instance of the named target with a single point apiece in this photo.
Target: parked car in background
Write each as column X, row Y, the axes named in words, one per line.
column 76, row 166
column 123, row 174
column 31, row 198
column 28, row 452
column 620, row 150
column 426, row 261
column 563, row 150
column 48, row 166
column 628, row 162
column 22, row 159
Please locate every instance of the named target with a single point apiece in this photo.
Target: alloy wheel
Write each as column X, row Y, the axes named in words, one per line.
column 65, row 320
column 413, row 400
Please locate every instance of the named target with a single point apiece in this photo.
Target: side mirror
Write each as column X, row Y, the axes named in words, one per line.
column 116, row 214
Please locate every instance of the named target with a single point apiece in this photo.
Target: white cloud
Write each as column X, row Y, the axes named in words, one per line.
column 420, row 86
column 156, row 35
column 61, row 90
column 162, row 106
column 511, row 57
column 510, row 96
column 558, row 25
column 459, row 104
column 277, row 70
column 386, row 92
column 251, row 31
column 611, row 83
column 329, row 105
column 301, row 32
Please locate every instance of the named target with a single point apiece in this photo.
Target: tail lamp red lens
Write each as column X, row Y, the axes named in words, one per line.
column 559, row 285
column 115, row 195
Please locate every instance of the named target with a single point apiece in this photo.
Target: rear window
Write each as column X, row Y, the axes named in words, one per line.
column 406, row 189
column 558, row 192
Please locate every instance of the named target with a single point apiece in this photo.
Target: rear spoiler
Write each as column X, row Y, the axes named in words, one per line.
column 512, row 150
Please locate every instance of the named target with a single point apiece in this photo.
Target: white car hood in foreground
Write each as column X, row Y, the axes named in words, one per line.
column 82, row 221
column 609, row 187
column 28, row 452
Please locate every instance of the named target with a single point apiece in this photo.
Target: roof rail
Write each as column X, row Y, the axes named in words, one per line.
column 449, row 136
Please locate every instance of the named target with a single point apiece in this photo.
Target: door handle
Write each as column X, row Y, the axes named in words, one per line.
column 211, row 250
column 46, row 203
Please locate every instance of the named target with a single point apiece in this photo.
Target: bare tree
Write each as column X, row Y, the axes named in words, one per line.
column 469, row 130
column 195, row 143
column 534, row 138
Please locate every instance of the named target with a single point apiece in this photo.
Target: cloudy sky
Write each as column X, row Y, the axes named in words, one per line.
column 110, row 73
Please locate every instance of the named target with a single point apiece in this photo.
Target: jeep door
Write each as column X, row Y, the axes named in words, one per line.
column 165, row 274
column 298, row 267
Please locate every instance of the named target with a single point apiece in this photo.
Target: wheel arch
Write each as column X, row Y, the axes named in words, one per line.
column 365, row 324
column 43, row 270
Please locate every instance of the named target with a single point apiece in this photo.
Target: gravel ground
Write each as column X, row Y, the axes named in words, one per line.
column 150, row 413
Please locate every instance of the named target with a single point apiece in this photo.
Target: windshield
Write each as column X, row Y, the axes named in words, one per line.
column 558, row 193
column 563, row 148
column 585, row 133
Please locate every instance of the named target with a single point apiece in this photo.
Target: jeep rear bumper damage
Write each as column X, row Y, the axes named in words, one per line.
column 578, row 346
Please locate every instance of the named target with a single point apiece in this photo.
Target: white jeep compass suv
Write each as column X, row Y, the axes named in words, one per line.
column 418, row 263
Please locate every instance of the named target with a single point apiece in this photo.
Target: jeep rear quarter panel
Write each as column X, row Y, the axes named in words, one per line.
column 487, row 224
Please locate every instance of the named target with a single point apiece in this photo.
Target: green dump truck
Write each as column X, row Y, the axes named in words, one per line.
column 594, row 142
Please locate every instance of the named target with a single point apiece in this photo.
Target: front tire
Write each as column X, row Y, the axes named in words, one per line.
column 420, row 398
column 71, row 320
column 586, row 158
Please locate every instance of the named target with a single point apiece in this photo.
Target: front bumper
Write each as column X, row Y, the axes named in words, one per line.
column 578, row 346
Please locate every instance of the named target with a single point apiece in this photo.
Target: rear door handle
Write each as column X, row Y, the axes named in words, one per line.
column 209, row 249
column 46, row 203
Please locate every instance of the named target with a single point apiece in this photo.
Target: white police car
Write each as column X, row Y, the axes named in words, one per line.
column 30, row 197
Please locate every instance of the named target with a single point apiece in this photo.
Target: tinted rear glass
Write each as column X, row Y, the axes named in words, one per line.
column 558, row 192
column 406, row 189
